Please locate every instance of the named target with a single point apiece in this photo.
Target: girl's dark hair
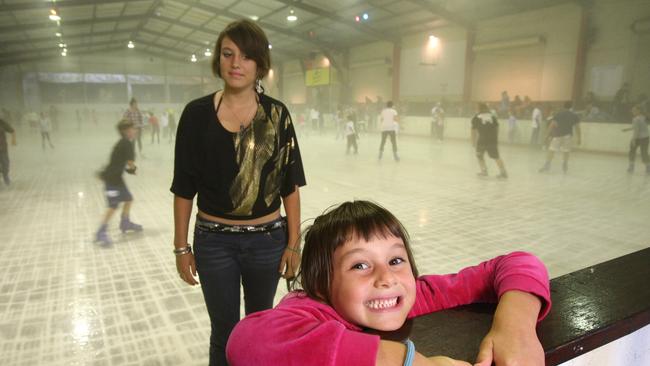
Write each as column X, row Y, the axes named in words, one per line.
column 336, row 226
column 252, row 42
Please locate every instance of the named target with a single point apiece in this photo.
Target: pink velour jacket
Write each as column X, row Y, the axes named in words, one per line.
column 303, row 331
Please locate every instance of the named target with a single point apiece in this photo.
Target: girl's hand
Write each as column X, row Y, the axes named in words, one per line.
column 512, row 340
column 504, row 349
column 186, row 267
column 289, row 263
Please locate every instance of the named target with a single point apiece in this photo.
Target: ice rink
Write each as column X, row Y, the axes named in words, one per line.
column 68, row 301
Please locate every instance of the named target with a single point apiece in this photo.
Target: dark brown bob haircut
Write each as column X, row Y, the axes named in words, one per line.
column 335, row 227
column 252, row 42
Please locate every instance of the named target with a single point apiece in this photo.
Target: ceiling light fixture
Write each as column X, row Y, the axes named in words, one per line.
column 193, row 58
column 254, row 18
column 292, row 17
column 207, row 52
column 434, row 41
column 61, row 45
column 58, row 34
column 130, row 44
column 365, row 16
column 357, row 18
column 54, row 15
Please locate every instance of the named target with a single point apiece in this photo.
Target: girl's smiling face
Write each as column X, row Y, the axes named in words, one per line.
column 373, row 285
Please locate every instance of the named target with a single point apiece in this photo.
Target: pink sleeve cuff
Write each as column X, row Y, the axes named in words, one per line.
column 525, row 283
column 356, row 348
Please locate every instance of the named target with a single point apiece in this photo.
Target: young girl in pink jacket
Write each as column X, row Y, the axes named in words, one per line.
column 358, row 272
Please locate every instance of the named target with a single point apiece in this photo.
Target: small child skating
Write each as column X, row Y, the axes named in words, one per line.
column 639, row 140
column 46, row 127
column 5, row 128
column 512, row 127
column 351, row 134
column 122, row 159
column 358, row 273
column 155, row 127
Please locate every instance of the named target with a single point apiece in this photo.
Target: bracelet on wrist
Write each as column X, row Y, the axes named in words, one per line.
column 292, row 249
column 410, row 352
column 185, row 250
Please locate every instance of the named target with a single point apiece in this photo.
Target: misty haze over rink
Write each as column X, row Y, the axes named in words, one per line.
column 66, row 300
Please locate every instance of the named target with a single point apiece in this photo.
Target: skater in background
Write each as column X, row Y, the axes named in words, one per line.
column 171, row 119
column 134, row 116
column 122, row 159
column 485, row 134
column 46, row 127
column 351, row 134
column 438, row 127
column 5, row 128
column 560, row 132
column 155, row 127
column 389, row 127
column 512, row 127
column 639, row 140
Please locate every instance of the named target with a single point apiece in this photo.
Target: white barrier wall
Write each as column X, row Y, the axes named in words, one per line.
column 599, row 137
column 633, row 349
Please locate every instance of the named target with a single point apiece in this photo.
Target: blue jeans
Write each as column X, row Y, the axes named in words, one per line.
column 222, row 260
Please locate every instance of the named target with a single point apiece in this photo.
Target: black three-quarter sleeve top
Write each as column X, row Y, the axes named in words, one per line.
column 236, row 175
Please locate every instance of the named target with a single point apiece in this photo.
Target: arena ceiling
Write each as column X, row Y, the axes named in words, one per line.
column 176, row 29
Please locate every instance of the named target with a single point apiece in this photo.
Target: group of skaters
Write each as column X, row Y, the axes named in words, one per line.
column 561, row 134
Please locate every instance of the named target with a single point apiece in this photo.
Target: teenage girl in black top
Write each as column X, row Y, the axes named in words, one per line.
column 236, row 150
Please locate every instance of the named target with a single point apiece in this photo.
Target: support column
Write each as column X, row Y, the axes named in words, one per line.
column 469, row 65
column 167, row 91
column 581, row 57
column 345, row 95
column 129, row 89
column 397, row 61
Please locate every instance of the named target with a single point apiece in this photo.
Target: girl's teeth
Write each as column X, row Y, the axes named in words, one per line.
column 382, row 304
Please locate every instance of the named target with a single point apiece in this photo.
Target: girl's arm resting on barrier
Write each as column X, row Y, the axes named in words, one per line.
column 486, row 282
column 512, row 339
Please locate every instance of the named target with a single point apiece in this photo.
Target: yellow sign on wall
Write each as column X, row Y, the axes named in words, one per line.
column 319, row 76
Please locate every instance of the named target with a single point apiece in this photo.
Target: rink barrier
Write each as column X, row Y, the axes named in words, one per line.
column 592, row 307
column 596, row 136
